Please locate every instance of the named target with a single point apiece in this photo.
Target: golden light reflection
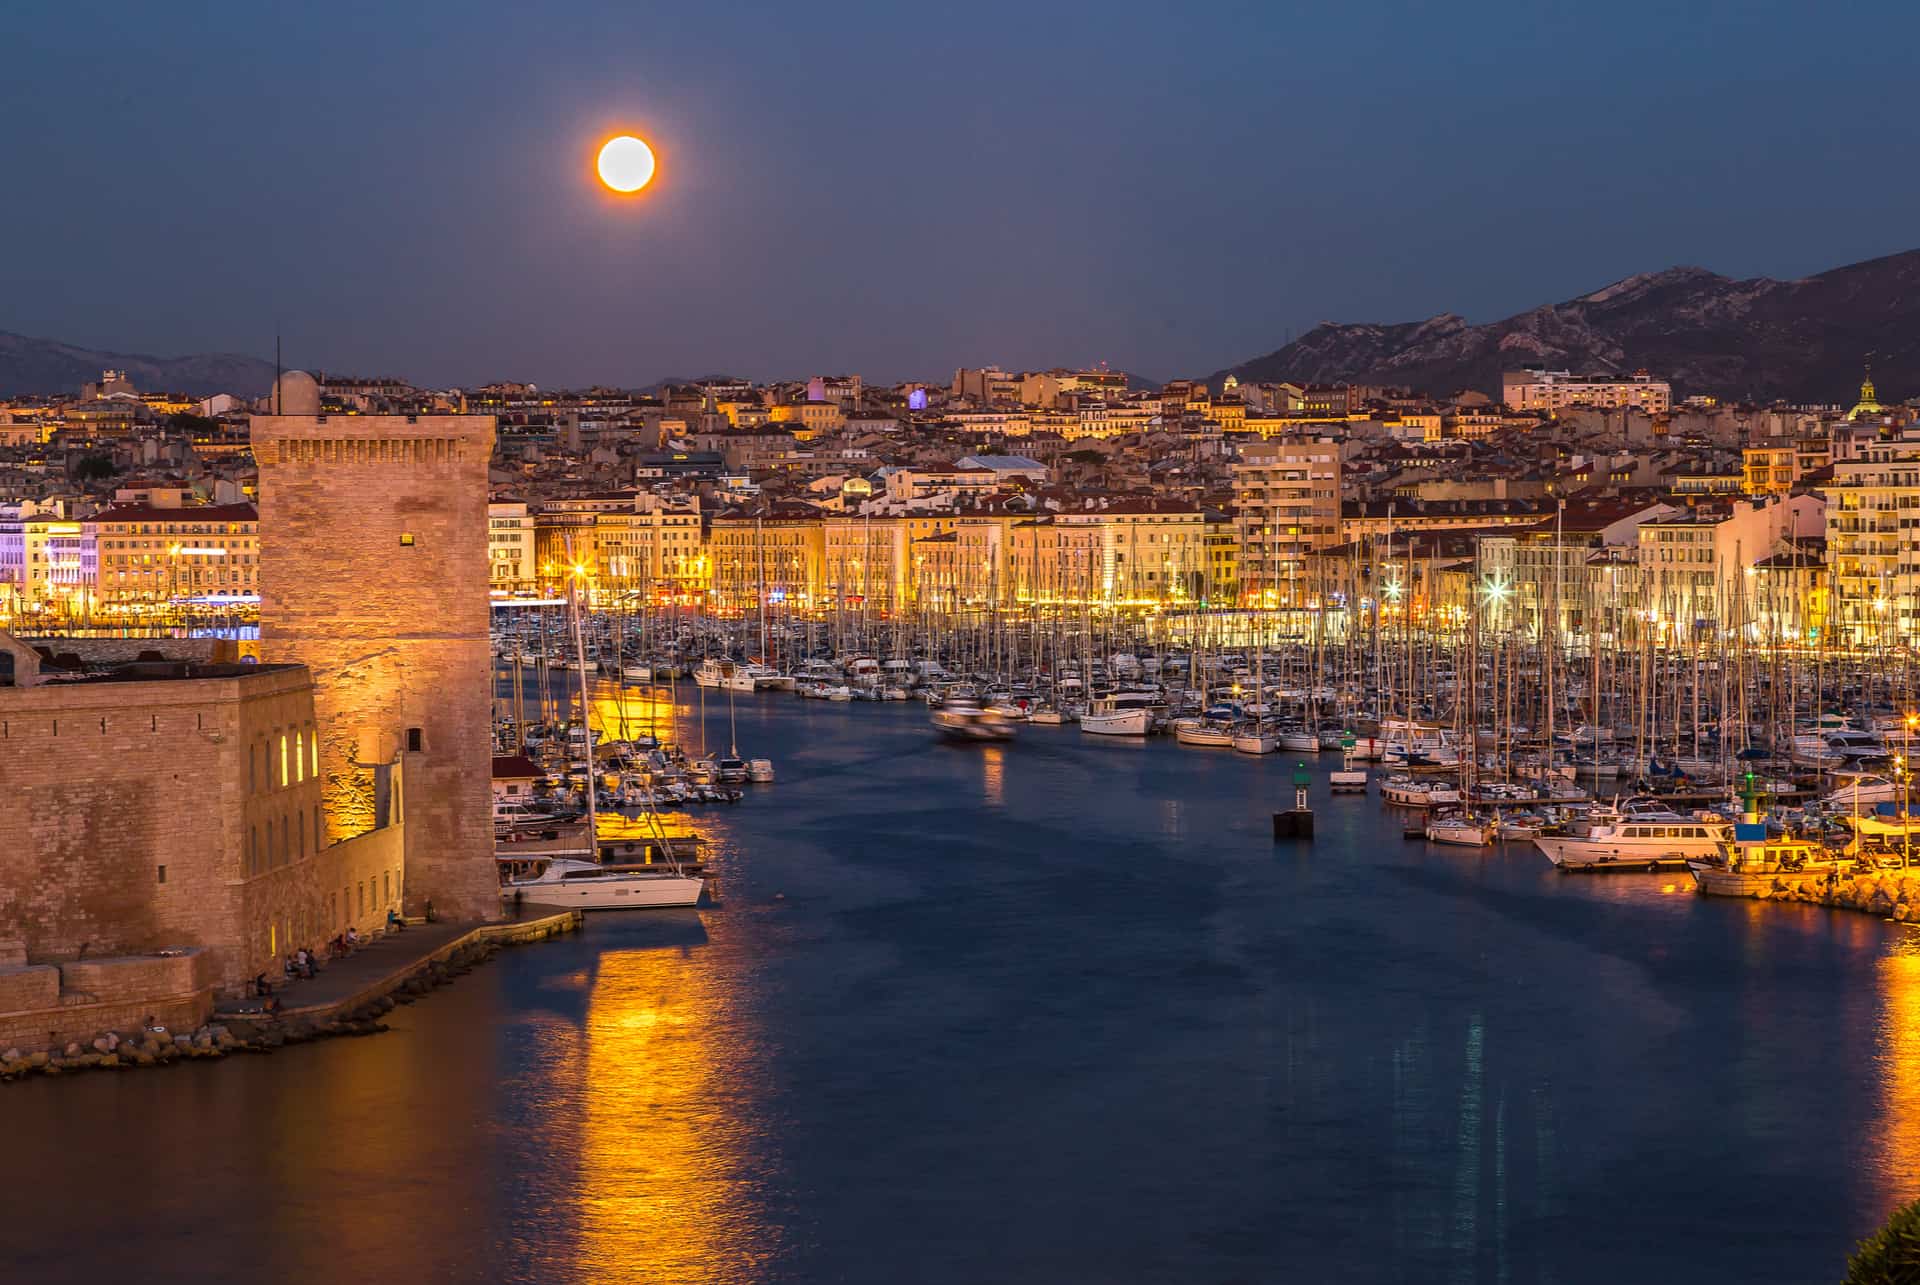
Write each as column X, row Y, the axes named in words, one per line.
column 669, row 1124
column 1899, row 1135
column 622, row 713
column 994, row 770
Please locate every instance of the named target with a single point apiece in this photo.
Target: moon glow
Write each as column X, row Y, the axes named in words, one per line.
column 625, row 164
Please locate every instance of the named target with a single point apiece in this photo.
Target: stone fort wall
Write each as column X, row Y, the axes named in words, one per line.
column 178, row 812
column 374, row 575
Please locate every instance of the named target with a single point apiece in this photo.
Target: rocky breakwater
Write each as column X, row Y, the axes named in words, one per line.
column 1892, row 894
column 157, row 1046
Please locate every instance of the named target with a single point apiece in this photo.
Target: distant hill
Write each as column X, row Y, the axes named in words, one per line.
column 1759, row 340
column 32, row 366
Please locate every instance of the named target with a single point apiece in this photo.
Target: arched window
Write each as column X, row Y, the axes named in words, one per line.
column 299, row 756
column 283, row 758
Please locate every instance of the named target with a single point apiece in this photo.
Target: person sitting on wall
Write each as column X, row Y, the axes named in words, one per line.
column 338, row 946
column 429, row 909
column 353, row 937
column 394, row 922
column 260, row 985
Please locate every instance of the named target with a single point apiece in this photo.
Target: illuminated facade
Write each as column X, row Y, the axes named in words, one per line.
column 1286, row 500
column 146, row 554
column 1557, row 390
column 510, row 562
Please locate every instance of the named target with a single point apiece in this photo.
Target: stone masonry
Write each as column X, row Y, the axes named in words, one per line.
column 374, row 575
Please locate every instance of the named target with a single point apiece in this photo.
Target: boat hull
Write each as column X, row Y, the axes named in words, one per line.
column 639, row 893
column 1127, row 722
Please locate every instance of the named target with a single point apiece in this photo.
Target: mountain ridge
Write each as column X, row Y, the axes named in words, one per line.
column 1760, row 339
column 31, row 366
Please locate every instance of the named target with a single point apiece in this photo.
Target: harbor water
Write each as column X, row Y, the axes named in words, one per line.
column 1054, row 1011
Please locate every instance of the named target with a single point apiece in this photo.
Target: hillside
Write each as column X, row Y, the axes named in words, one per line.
column 35, row 366
column 1760, row 340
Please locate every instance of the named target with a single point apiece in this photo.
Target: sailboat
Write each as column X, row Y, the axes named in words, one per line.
column 576, row 884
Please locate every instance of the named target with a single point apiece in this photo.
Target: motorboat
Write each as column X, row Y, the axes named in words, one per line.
column 1461, row 831
column 724, row 675
column 1119, row 714
column 760, row 771
column 1640, row 841
column 585, row 885
column 1864, row 792
column 510, row 816
column 1747, row 864
column 965, row 720
column 1296, row 740
column 1412, row 792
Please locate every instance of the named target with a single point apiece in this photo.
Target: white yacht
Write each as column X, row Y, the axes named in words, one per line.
column 1864, row 793
column 583, row 885
column 1642, row 842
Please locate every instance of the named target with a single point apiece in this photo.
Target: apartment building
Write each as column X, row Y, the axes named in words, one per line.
column 1556, row 390
column 1286, row 500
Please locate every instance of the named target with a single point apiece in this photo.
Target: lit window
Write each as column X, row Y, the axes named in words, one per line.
column 283, row 759
column 299, row 757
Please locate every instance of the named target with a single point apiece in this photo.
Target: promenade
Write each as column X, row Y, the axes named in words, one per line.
column 383, row 964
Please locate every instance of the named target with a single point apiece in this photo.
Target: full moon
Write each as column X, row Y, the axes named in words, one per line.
column 626, row 164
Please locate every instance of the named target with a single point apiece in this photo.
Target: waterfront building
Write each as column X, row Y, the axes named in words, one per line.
column 147, row 555
column 782, row 548
column 1694, row 563
column 1051, row 562
column 1557, row 390
column 1148, row 552
column 651, row 548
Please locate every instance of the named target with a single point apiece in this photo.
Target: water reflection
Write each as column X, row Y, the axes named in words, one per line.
column 671, row 1153
column 627, row 713
column 994, row 775
column 1900, row 1073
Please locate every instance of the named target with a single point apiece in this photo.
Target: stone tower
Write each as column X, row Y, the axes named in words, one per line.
column 373, row 574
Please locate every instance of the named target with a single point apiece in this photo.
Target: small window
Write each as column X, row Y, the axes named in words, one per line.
column 415, row 740
column 160, row 874
column 406, row 539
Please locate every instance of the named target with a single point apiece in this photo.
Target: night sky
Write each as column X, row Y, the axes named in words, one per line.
column 898, row 188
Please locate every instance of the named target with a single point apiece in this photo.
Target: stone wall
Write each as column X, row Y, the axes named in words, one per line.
column 93, row 995
column 121, row 651
column 374, row 574
column 178, row 812
column 132, row 811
